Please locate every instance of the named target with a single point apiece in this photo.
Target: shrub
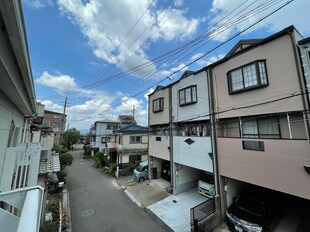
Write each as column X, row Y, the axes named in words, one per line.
column 99, row 159
column 65, row 160
column 61, row 176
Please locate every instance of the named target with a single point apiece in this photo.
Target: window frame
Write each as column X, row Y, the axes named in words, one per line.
column 135, row 139
column 193, row 98
column 259, row 78
column 259, row 135
column 161, row 105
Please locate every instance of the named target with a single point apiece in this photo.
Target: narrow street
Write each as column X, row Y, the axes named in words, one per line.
column 98, row 204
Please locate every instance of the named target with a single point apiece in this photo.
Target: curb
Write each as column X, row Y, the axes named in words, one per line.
column 133, row 198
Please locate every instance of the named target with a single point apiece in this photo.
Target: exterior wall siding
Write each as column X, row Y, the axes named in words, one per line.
column 279, row 167
column 163, row 116
column 127, row 145
column 196, row 111
column 282, row 78
column 8, row 113
column 159, row 149
column 194, row 155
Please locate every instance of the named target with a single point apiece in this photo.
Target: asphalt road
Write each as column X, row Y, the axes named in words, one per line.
column 98, row 204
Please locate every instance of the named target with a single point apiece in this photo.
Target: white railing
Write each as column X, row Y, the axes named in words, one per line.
column 21, row 209
column 21, row 167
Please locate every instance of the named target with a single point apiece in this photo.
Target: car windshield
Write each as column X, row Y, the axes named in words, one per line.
column 251, row 204
column 140, row 168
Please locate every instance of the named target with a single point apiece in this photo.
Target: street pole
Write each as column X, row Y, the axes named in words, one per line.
column 63, row 122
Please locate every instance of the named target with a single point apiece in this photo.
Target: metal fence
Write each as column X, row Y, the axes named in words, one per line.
column 201, row 211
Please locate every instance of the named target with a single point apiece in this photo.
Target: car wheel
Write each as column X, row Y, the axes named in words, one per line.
column 141, row 179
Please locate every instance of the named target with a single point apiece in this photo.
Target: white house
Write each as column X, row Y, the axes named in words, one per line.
column 101, row 134
column 21, row 198
column 192, row 150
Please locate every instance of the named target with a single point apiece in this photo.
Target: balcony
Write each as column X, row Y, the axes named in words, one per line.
column 20, row 209
column 21, row 199
column 193, row 151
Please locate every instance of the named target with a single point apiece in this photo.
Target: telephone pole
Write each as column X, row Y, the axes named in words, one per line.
column 133, row 111
column 63, row 122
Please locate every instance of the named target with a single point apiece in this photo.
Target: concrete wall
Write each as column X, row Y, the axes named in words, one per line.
column 47, row 141
column 185, row 178
column 159, row 149
column 196, row 111
column 282, row 77
column 195, row 155
column 279, row 167
column 163, row 116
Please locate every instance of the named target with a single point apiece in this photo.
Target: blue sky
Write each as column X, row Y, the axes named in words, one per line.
column 107, row 55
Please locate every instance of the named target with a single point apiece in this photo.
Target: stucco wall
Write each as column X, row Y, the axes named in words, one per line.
column 163, row 116
column 279, row 167
column 159, row 149
column 196, row 111
column 282, row 77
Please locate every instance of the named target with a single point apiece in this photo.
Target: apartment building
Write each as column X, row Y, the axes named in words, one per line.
column 57, row 123
column 261, row 110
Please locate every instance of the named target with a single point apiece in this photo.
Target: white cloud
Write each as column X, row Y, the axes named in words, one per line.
column 58, row 82
column 174, row 69
column 105, row 24
column 298, row 10
column 38, row 4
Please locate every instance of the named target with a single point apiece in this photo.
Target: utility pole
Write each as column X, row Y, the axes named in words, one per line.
column 63, row 122
column 133, row 111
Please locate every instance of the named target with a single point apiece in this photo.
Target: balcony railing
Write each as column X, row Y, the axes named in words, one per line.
column 21, row 167
column 20, row 198
column 20, row 209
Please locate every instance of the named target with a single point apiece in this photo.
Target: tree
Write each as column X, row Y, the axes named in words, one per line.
column 71, row 137
column 65, row 160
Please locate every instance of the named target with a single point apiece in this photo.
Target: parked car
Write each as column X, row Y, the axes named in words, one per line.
column 249, row 212
column 141, row 172
column 165, row 170
column 206, row 186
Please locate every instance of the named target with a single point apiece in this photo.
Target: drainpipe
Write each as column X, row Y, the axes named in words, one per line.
column 289, row 125
column 172, row 181
column 148, row 142
column 213, row 131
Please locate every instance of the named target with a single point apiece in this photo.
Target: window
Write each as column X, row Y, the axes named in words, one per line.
column 197, row 129
column 253, row 145
column 249, row 76
column 158, row 105
column 135, row 139
column 158, row 138
column 105, row 139
column 188, row 95
column 267, row 128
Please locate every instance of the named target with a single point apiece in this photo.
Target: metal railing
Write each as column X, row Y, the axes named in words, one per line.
column 201, row 211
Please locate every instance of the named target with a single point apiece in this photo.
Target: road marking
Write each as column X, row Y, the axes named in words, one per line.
column 87, row 213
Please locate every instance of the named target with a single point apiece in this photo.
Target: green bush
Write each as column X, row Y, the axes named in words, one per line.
column 99, row 159
column 61, row 176
column 133, row 166
column 112, row 169
column 127, row 171
column 65, row 160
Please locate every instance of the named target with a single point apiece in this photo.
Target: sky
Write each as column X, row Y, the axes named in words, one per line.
column 106, row 56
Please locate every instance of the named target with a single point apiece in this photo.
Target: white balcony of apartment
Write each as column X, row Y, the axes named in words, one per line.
column 21, row 198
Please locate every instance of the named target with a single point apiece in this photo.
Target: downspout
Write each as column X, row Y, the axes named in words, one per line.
column 302, row 87
column 213, row 130
column 172, row 182
column 220, row 205
column 148, row 142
